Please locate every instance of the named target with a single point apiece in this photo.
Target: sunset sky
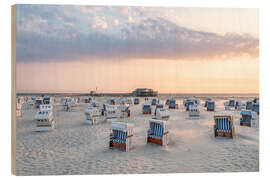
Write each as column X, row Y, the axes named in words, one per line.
column 118, row 49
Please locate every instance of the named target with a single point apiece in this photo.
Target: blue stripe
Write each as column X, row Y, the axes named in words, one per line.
column 223, row 124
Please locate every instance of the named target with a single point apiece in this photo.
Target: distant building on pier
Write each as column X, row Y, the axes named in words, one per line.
column 144, row 92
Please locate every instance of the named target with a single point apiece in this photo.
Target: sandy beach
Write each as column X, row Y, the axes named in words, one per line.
column 76, row 148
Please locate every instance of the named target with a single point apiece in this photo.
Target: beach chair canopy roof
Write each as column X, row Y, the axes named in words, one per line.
column 163, row 112
column 246, row 113
column 159, row 106
column 93, row 102
column 223, row 116
column 45, row 107
column 193, row 106
column 122, row 126
column 162, row 123
column 110, row 107
column 90, row 108
column 172, row 101
column 147, row 103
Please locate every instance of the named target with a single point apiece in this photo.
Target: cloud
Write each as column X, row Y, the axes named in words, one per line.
column 100, row 22
column 116, row 22
column 62, row 35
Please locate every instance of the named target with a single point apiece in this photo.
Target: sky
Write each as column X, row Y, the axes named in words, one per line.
column 64, row 48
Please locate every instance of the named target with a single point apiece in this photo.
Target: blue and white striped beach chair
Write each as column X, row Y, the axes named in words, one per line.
column 211, row 106
column 157, row 132
column 245, row 120
column 224, row 126
column 256, row 108
column 121, row 135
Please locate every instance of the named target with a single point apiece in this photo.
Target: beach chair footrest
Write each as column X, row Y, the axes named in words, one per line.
column 154, row 140
column 114, row 144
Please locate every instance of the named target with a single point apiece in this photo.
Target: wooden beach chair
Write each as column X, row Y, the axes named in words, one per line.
column 136, row 101
column 157, row 132
column 194, row 111
column 154, row 102
column 249, row 105
column 246, row 118
column 224, row 126
column 172, row 104
column 110, row 111
column 146, row 109
column 162, row 114
column 125, row 111
column 121, row 136
column 256, row 108
column 93, row 115
column 211, row 106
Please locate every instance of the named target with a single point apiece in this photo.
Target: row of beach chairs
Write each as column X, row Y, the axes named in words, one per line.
column 122, row 133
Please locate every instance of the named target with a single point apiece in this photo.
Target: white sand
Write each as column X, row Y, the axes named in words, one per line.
column 76, row 148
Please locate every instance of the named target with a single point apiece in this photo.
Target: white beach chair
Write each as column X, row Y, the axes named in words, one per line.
column 194, row 112
column 93, row 116
column 162, row 114
column 111, row 111
column 45, row 107
column 44, row 120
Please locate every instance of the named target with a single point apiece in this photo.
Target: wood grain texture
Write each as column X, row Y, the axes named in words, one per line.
column 13, row 89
